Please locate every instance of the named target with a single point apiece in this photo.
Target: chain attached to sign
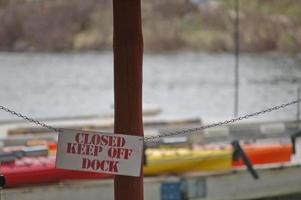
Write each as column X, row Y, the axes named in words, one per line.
column 185, row 131
column 113, row 153
column 100, row 152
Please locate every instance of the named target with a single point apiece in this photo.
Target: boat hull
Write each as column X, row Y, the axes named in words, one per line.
column 266, row 153
column 175, row 161
column 41, row 170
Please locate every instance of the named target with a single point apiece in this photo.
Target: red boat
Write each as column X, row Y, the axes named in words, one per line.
column 258, row 153
column 39, row 170
column 266, row 153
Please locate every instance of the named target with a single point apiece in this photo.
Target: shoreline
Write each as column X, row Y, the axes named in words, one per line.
column 59, row 26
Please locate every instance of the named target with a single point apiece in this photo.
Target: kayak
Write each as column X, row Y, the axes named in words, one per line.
column 257, row 153
column 182, row 160
column 41, row 170
column 266, row 153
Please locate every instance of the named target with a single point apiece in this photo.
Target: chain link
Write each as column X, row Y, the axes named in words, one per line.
column 30, row 119
column 180, row 132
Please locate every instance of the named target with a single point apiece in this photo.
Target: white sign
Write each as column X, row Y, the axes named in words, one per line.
column 99, row 152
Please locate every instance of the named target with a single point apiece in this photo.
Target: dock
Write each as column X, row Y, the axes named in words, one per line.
column 275, row 180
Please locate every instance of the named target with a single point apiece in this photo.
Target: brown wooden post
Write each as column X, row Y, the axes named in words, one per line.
column 128, row 58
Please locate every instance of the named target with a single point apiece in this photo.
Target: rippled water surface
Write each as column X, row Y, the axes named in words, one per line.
column 193, row 84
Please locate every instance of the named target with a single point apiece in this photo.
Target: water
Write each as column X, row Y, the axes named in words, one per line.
column 182, row 84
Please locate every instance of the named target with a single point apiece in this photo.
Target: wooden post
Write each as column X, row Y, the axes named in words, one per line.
column 128, row 58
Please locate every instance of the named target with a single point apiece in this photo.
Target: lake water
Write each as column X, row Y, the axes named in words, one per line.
column 182, row 84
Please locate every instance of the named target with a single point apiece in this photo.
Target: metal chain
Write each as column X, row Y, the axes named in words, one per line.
column 180, row 132
column 221, row 123
column 30, row 119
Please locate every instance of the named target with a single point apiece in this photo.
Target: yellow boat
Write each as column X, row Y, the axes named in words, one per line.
column 183, row 160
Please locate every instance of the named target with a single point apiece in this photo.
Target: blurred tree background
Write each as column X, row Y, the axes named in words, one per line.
column 201, row 25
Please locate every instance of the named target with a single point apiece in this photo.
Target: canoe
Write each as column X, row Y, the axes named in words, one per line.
column 258, row 153
column 40, row 170
column 174, row 161
column 266, row 153
column 29, row 171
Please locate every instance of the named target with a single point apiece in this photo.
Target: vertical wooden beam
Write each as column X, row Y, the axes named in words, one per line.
column 128, row 58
